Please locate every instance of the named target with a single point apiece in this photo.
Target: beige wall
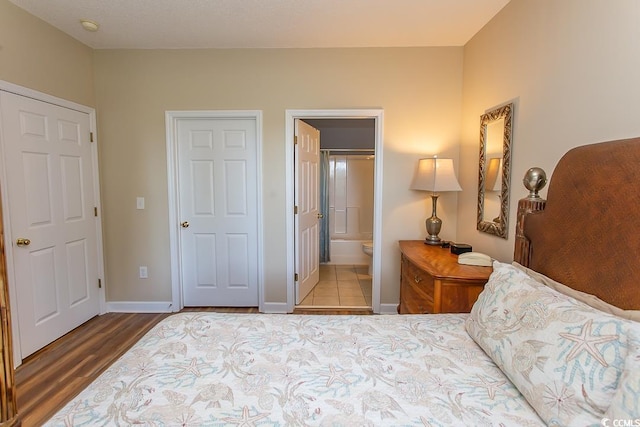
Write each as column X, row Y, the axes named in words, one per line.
column 420, row 90
column 38, row 56
column 571, row 67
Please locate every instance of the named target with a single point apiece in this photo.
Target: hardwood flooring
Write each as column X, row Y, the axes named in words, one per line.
column 324, row 310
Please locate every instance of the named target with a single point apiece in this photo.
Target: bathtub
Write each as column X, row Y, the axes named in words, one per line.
column 348, row 252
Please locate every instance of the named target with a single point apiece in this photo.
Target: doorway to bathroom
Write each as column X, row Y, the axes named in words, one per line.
column 349, row 177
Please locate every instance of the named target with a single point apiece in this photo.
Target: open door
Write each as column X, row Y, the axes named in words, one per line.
column 307, row 201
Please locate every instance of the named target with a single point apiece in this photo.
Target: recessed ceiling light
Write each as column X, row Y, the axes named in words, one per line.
column 89, row 25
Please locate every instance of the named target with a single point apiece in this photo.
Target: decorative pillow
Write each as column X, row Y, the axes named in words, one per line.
column 565, row 357
column 589, row 299
column 626, row 402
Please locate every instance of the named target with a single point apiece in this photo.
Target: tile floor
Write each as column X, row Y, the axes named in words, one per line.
column 341, row 285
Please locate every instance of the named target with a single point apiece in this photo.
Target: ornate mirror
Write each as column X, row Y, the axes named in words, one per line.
column 495, row 171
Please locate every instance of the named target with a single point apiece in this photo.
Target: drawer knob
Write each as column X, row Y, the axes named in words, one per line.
column 417, row 279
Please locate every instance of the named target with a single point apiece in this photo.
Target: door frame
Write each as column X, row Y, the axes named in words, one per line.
column 8, row 239
column 171, row 119
column 290, row 116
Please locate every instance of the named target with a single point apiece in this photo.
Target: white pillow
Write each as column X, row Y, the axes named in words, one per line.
column 626, row 402
column 565, row 357
column 589, row 299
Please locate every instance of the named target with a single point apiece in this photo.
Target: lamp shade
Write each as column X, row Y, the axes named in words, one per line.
column 435, row 175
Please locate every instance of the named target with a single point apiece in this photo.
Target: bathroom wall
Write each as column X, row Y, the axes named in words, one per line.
column 351, row 197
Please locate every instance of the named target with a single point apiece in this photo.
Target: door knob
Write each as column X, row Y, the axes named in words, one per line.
column 184, row 224
column 23, row 242
column 320, row 216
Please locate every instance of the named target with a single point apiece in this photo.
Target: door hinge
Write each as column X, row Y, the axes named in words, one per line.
column 100, row 283
column 91, row 136
column 95, row 211
column 295, row 139
column 295, row 277
column 295, row 210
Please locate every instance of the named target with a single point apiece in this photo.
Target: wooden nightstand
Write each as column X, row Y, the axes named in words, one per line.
column 432, row 281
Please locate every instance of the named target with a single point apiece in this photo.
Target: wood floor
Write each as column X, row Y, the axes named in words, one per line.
column 51, row 377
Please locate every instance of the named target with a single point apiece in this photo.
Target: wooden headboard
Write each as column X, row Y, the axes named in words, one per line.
column 588, row 235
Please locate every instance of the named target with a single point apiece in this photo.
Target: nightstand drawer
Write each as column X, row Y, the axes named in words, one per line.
column 414, row 300
column 417, row 289
column 417, row 277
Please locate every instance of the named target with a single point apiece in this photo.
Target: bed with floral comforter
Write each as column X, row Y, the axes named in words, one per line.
column 527, row 355
column 208, row 369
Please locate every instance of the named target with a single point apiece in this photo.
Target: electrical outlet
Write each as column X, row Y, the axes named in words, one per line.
column 139, row 202
column 143, row 272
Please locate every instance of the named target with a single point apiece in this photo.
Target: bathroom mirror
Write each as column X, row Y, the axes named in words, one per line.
column 495, row 171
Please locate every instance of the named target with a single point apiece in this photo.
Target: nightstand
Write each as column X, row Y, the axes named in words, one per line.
column 432, row 281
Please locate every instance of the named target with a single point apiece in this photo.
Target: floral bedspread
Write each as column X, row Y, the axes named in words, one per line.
column 212, row 369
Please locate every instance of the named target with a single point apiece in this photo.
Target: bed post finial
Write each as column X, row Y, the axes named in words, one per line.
column 534, row 180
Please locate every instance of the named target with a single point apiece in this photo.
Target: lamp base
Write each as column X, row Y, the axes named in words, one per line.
column 433, row 225
column 433, row 240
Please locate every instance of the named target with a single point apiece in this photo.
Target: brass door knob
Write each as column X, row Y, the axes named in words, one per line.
column 184, row 224
column 23, row 242
column 320, row 216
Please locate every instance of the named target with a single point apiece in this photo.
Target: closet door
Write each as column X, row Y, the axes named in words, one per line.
column 49, row 170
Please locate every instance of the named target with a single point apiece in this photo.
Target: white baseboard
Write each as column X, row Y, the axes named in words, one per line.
column 275, row 307
column 388, row 308
column 139, row 307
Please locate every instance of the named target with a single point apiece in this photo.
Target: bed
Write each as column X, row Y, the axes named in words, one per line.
column 555, row 341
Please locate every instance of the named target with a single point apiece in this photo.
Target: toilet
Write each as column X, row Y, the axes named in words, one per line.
column 367, row 248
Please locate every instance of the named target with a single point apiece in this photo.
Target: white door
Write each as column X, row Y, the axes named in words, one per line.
column 51, row 192
column 307, row 201
column 218, row 211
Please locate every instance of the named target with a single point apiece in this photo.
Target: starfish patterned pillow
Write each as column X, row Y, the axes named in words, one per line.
column 565, row 357
column 626, row 402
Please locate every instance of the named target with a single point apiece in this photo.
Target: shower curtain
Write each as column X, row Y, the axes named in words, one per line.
column 325, row 236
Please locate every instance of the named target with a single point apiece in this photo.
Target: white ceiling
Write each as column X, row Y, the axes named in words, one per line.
column 155, row 24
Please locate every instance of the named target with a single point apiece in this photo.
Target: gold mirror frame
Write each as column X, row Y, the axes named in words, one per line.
column 495, row 171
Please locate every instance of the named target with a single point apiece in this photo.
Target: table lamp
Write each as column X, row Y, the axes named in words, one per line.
column 435, row 175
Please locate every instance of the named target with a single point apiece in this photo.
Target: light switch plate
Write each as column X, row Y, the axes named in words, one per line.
column 139, row 202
